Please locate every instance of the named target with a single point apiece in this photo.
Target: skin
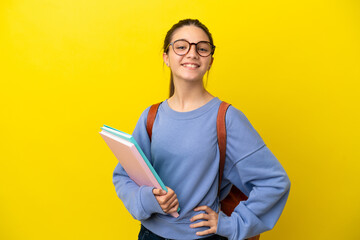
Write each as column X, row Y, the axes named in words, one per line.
column 189, row 94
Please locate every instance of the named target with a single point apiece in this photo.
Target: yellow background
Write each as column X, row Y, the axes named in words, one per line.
column 68, row 67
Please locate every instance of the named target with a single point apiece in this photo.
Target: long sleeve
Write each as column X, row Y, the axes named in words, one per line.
column 139, row 200
column 252, row 168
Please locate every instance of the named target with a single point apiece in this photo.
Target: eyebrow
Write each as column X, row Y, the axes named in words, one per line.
column 189, row 41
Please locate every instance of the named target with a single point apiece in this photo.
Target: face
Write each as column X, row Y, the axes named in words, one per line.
column 191, row 66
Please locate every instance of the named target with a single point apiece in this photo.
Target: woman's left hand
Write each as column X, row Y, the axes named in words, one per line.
column 211, row 220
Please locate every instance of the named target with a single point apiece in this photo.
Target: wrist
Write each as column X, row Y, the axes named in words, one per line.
column 224, row 225
column 148, row 201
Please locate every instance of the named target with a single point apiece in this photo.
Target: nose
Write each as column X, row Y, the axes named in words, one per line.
column 192, row 51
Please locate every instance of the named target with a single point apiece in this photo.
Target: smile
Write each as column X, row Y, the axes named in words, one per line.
column 189, row 65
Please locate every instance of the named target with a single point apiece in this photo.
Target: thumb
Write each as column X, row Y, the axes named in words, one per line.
column 159, row 192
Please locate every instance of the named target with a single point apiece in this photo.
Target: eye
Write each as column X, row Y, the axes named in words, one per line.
column 203, row 50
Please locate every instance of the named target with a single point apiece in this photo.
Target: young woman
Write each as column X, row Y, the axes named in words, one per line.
column 185, row 153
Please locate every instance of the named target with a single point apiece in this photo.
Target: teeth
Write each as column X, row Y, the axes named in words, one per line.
column 190, row 65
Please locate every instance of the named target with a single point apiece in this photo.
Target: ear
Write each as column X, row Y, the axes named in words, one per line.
column 166, row 59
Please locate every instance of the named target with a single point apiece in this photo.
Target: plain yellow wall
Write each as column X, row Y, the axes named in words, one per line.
column 68, row 67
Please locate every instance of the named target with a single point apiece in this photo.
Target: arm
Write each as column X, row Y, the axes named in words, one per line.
column 269, row 187
column 139, row 200
column 254, row 169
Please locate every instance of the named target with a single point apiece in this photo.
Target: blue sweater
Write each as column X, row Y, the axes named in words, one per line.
column 185, row 153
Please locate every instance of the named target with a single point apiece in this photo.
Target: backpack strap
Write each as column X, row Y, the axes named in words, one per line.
column 151, row 118
column 221, row 135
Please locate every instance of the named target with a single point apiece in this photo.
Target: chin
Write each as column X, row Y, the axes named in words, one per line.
column 193, row 79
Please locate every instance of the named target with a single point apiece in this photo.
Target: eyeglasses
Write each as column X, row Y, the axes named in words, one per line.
column 182, row 47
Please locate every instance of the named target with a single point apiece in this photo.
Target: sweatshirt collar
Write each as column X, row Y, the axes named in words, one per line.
column 190, row 114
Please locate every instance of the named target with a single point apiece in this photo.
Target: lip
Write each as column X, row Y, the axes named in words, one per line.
column 197, row 65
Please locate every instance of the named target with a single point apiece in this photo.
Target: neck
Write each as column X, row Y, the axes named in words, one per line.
column 189, row 96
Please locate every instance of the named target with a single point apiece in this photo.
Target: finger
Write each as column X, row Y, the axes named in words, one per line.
column 201, row 224
column 170, row 192
column 174, row 208
column 200, row 216
column 206, row 232
column 167, row 199
column 171, row 204
column 158, row 192
column 204, row 208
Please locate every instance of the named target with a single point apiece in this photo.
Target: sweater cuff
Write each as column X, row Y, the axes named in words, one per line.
column 148, row 201
column 225, row 226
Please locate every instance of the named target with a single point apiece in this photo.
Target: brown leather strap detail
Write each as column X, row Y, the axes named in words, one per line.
column 221, row 135
column 254, row 238
column 151, row 118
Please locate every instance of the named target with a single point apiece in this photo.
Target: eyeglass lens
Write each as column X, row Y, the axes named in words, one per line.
column 181, row 47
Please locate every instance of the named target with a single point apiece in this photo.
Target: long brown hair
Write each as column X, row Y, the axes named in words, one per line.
column 169, row 35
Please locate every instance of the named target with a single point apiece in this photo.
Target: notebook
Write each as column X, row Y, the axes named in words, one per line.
column 132, row 158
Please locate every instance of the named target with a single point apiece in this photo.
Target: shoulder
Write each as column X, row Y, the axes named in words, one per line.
column 240, row 132
column 236, row 118
column 145, row 113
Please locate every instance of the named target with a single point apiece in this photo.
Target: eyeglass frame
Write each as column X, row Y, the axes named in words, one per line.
column 196, row 49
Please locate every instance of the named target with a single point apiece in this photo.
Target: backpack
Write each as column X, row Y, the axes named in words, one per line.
column 235, row 195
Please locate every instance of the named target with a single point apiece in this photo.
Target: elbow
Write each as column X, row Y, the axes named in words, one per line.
column 283, row 190
column 283, row 184
column 279, row 206
column 137, row 214
column 286, row 183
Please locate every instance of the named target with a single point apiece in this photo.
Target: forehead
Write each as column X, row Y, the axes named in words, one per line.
column 191, row 34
